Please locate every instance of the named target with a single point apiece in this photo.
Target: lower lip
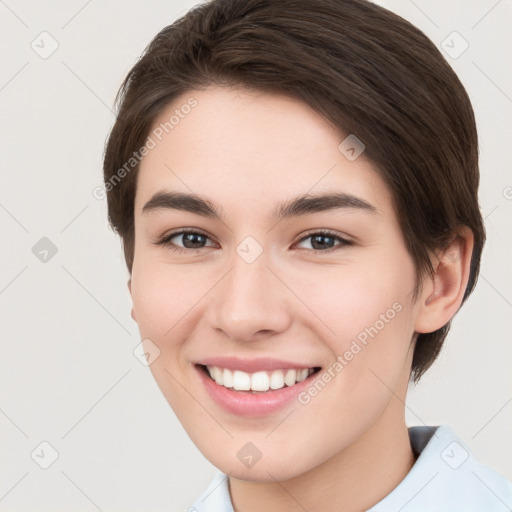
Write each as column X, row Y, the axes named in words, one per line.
column 252, row 405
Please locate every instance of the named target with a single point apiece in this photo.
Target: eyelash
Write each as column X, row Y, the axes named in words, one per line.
column 166, row 241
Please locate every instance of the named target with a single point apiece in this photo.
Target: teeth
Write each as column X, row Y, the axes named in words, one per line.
column 228, row 378
column 290, row 378
column 259, row 381
column 241, row 381
column 218, row 375
column 277, row 380
column 302, row 374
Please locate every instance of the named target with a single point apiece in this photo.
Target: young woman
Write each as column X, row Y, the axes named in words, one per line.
column 295, row 184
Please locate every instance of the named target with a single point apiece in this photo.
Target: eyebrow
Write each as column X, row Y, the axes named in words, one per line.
column 301, row 205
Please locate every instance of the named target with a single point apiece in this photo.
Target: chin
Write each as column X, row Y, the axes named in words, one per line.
column 274, row 467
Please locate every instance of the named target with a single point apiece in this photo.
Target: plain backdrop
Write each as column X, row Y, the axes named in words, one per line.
column 68, row 375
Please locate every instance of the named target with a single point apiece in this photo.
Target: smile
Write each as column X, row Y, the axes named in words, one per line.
column 255, row 387
column 258, row 382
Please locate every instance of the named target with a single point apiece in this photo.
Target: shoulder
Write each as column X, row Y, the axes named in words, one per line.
column 447, row 477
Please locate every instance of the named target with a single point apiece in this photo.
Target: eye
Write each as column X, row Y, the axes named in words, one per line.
column 191, row 240
column 325, row 241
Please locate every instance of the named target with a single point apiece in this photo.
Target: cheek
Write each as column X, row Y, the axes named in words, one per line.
column 362, row 303
column 164, row 298
column 370, row 319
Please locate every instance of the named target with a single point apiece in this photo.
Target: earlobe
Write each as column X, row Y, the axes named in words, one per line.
column 130, row 290
column 444, row 291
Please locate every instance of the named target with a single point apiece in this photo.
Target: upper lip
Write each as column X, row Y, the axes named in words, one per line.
column 254, row 364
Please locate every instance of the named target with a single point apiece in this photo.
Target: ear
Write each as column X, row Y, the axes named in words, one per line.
column 442, row 294
column 130, row 290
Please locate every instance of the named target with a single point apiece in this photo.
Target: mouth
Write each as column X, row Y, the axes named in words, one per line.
column 259, row 382
column 255, row 387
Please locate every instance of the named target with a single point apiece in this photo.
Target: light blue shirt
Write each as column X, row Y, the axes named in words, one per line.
column 446, row 477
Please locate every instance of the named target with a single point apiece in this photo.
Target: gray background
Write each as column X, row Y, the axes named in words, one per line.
column 68, row 375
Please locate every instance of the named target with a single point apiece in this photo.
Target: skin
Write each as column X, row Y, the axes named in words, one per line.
column 246, row 151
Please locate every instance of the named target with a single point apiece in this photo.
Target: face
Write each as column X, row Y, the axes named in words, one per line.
column 300, row 309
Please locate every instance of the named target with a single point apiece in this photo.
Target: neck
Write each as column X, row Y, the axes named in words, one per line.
column 358, row 477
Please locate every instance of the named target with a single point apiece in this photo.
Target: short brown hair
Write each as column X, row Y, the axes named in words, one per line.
column 365, row 69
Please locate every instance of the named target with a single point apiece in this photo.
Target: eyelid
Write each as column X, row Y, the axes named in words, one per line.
column 344, row 240
column 165, row 239
column 325, row 232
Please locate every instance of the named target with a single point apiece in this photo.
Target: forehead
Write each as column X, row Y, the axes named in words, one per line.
column 250, row 149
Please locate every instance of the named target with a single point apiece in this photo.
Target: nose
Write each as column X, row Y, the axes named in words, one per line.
column 250, row 303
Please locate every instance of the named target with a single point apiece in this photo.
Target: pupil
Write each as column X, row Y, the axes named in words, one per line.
column 194, row 238
column 321, row 245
